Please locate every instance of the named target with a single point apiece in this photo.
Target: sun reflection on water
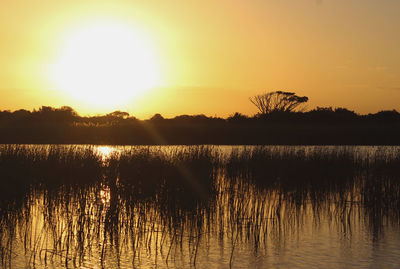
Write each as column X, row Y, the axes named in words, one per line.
column 105, row 152
column 117, row 223
column 104, row 196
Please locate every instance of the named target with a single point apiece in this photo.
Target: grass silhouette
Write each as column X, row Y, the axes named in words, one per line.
column 63, row 205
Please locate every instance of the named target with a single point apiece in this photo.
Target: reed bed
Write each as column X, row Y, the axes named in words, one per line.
column 340, row 182
column 71, row 206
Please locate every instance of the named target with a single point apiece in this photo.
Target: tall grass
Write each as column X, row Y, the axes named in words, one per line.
column 334, row 181
column 68, row 205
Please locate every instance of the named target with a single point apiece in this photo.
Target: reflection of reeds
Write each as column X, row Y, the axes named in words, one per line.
column 67, row 204
column 335, row 181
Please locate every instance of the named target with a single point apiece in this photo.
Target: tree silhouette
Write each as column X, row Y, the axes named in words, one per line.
column 157, row 117
column 237, row 117
column 277, row 101
column 119, row 114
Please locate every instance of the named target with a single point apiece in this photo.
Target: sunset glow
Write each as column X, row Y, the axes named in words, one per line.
column 199, row 134
column 198, row 57
column 105, row 64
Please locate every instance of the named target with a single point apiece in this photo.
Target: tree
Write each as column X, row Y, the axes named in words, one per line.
column 63, row 114
column 118, row 114
column 237, row 117
column 277, row 101
column 157, row 117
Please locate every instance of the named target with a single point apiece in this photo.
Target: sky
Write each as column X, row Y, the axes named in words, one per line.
column 208, row 57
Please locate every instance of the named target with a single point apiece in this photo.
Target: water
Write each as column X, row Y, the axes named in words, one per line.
column 260, row 209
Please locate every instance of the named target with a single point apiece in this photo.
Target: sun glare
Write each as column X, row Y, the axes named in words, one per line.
column 105, row 64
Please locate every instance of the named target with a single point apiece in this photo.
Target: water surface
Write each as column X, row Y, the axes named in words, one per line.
column 199, row 207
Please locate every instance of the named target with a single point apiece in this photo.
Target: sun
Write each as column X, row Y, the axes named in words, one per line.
column 105, row 64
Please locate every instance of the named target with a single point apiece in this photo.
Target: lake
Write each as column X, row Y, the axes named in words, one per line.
column 199, row 206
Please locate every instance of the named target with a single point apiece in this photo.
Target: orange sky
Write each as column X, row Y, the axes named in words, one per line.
column 213, row 55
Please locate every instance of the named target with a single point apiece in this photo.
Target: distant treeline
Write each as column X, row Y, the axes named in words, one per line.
column 325, row 125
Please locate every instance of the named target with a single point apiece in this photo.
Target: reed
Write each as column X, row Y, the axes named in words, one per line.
column 68, row 204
